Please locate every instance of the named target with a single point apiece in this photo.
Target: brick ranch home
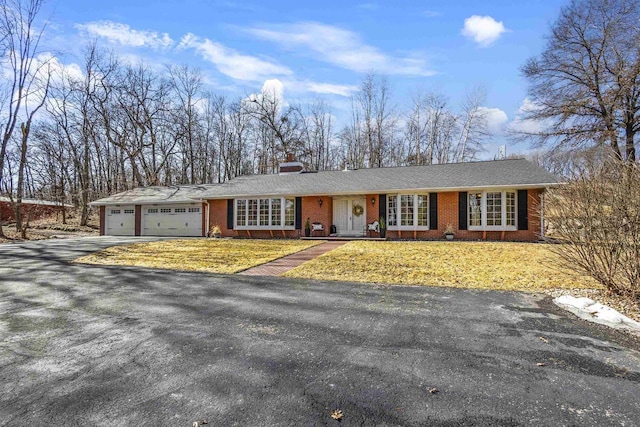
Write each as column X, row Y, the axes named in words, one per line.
column 494, row 200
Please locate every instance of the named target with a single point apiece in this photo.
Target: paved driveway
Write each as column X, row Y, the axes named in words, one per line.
column 91, row 345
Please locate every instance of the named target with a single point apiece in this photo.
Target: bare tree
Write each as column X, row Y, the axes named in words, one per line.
column 29, row 76
column 585, row 86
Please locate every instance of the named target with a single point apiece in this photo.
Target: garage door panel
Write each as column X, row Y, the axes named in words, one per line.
column 120, row 221
column 177, row 220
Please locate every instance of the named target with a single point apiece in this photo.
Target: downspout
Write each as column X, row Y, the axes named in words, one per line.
column 542, row 214
column 206, row 228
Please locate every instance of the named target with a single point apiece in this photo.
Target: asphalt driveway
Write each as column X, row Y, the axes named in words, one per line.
column 93, row 345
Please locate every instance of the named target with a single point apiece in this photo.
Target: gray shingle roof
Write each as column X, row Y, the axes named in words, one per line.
column 454, row 176
column 514, row 173
column 160, row 195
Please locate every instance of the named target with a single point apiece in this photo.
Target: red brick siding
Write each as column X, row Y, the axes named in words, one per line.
column 29, row 211
column 103, row 218
column 447, row 214
column 137, row 220
column 323, row 214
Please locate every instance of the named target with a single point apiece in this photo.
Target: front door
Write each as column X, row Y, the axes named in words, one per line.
column 350, row 216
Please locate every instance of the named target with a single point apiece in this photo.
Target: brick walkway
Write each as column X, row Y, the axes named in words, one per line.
column 279, row 266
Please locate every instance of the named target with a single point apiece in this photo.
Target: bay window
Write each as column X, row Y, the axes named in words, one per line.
column 492, row 210
column 408, row 211
column 265, row 213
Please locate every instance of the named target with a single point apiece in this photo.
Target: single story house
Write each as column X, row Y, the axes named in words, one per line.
column 495, row 200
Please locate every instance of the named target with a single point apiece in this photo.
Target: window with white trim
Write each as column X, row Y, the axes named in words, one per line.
column 180, row 210
column 408, row 211
column 194, row 210
column 115, row 211
column 492, row 210
column 265, row 213
column 152, row 210
column 165, row 210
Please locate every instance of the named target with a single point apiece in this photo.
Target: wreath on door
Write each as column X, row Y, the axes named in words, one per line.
column 357, row 210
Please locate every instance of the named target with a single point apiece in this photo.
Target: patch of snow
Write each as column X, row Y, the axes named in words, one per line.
column 588, row 309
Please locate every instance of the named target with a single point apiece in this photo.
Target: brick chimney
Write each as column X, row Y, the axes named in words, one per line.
column 291, row 165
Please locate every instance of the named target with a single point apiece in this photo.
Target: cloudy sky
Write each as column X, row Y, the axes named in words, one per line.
column 324, row 48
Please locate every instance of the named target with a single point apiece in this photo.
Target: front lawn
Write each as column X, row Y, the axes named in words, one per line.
column 481, row 265
column 210, row 255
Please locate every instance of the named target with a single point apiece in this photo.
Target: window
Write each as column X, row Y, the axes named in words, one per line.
column 511, row 209
column 180, row 210
column 422, row 203
column 194, row 210
column 492, row 210
column 165, row 210
column 129, row 211
column 276, row 212
column 265, row 213
column 408, row 211
column 252, row 217
column 241, row 213
column 152, row 210
column 290, row 213
column 392, row 211
column 115, row 211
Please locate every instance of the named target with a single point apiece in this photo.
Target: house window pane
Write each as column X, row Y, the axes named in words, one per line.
column 276, row 212
column 264, row 212
column 475, row 209
column 423, row 210
column 241, row 212
column 252, row 218
column 406, row 210
column 289, row 212
column 392, row 210
column 494, row 208
column 511, row 209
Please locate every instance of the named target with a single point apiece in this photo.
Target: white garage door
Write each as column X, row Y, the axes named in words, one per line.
column 172, row 220
column 120, row 220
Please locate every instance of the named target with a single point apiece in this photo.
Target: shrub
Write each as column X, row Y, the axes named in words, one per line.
column 596, row 220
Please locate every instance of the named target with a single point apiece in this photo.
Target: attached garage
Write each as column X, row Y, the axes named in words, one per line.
column 172, row 220
column 154, row 211
column 120, row 220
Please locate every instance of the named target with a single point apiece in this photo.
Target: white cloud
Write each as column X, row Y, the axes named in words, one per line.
column 521, row 125
column 340, row 47
column 232, row 63
column 333, row 89
column 123, row 34
column 484, row 30
column 496, row 119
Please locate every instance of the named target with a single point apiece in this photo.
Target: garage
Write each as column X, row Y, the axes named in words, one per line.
column 120, row 220
column 172, row 220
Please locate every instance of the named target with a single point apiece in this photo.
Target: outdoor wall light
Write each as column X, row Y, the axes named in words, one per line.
column 320, row 201
column 373, row 200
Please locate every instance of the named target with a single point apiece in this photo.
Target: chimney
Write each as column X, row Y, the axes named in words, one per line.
column 290, row 166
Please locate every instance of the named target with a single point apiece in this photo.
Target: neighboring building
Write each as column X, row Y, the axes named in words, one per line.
column 496, row 200
column 32, row 209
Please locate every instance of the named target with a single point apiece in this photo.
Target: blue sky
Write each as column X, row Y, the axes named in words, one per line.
column 324, row 49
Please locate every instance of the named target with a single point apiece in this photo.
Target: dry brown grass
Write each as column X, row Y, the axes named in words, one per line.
column 209, row 255
column 479, row 265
